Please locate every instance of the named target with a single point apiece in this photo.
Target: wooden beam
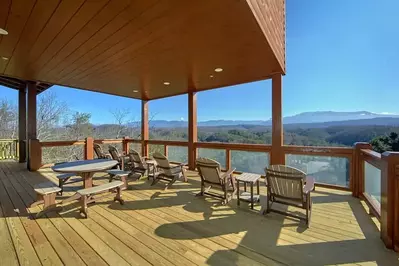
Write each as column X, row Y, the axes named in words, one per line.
column 144, row 128
column 389, row 200
column 277, row 155
column 32, row 121
column 33, row 163
column 192, row 129
column 22, row 124
column 89, row 149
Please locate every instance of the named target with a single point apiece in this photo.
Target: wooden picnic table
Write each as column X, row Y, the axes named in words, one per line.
column 85, row 168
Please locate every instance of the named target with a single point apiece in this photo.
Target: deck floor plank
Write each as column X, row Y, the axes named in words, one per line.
column 79, row 245
column 23, row 246
column 64, row 250
column 173, row 227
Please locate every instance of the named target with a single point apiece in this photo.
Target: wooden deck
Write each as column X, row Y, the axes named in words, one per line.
column 174, row 227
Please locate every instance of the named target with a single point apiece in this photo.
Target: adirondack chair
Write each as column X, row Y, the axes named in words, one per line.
column 138, row 163
column 212, row 176
column 123, row 160
column 100, row 153
column 167, row 171
column 289, row 186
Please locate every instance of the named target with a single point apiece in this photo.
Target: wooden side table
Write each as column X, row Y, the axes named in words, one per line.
column 251, row 179
column 152, row 165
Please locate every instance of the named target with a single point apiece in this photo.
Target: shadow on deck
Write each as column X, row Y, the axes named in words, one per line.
column 176, row 227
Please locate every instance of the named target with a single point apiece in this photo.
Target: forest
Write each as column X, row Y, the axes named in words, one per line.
column 55, row 121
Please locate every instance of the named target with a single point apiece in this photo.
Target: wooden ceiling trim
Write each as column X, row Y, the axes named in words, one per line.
column 116, row 42
column 89, row 9
column 121, row 21
column 107, row 14
column 157, row 28
column 19, row 14
column 41, row 14
column 62, row 15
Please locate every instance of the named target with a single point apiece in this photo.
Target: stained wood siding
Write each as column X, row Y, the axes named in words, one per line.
column 270, row 15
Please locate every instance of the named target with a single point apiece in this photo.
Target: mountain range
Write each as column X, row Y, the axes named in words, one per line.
column 316, row 119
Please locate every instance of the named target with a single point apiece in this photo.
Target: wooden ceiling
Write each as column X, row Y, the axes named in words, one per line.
column 118, row 47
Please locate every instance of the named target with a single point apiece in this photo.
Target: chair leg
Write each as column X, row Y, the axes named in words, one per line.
column 61, row 186
column 201, row 193
column 154, row 181
column 267, row 204
column 172, row 182
column 226, row 200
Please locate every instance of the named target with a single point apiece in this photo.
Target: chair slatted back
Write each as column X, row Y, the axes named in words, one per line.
column 114, row 152
column 99, row 151
column 163, row 164
column 136, row 158
column 285, row 182
column 209, row 170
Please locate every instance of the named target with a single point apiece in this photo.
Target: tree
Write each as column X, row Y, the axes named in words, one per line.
column 80, row 126
column 50, row 113
column 386, row 143
column 8, row 120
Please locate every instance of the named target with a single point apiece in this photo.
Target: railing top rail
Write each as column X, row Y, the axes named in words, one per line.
column 323, row 151
column 167, row 142
column 234, row 146
column 371, row 153
column 108, row 141
column 61, row 143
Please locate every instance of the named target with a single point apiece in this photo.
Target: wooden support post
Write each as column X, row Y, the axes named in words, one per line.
column 144, row 128
column 125, row 145
column 277, row 155
column 192, row 129
column 389, row 200
column 32, row 92
column 31, row 123
column 357, row 179
column 228, row 159
column 35, row 155
column 22, row 124
column 89, row 148
column 165, row 150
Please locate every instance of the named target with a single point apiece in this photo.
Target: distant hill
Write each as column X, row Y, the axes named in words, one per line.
column 308, row 119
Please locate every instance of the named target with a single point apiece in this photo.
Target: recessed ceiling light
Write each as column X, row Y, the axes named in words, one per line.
column 135, row 91
column 218, row 69
column 166, row 83
column 3, row 31
column 211, row 76
column 4, row 58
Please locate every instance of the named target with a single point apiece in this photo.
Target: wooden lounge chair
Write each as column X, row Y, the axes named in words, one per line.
column 138, row 163
column 167, row 171
column 100, row 153
column 123, row 160
column 212, row 176
column 289, row 186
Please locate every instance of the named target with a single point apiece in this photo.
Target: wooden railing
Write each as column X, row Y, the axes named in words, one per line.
column 373, row 199
column 386, row 210
column 9, row 149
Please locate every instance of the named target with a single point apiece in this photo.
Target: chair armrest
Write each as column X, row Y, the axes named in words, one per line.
column 308, row 187
column 230, row 171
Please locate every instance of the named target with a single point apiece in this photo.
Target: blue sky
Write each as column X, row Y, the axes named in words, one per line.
column 342, row 55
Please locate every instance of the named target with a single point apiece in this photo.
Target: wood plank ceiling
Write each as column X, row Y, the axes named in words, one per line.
column 120, row 47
